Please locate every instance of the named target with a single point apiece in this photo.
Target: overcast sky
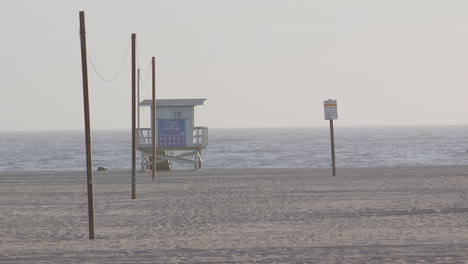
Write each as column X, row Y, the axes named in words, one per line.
column 259, row 63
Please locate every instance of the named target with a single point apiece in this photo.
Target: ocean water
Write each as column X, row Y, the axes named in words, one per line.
column 249, row 148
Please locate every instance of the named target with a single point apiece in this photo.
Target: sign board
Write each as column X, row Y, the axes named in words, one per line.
column 171, row 133
column 331, row 109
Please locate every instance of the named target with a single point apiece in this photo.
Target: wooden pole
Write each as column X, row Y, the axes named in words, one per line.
column 138, row 98
column 332, row 138
column 89, row 159
column 153, row 119
column 133, row 118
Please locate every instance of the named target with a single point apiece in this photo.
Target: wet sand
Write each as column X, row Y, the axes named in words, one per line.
column 368, row 215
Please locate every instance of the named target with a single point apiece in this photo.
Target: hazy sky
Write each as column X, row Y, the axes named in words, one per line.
column 259, row 63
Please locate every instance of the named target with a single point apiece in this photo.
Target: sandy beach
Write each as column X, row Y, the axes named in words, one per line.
column 368, row 215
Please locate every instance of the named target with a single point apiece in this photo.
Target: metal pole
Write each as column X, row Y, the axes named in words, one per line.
column 153, row 119
column 133, row 118
column 89, row 159
column 332, row 138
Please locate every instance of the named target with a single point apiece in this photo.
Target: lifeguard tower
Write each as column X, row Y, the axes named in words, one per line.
column 178, row 139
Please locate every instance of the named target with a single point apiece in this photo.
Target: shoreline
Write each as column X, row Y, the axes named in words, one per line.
column 362, row 215
column 138, row 171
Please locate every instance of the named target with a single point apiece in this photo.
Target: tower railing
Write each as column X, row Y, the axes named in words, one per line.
column 200, row 137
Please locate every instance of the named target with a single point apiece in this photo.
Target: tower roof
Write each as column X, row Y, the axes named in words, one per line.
column 173, row 102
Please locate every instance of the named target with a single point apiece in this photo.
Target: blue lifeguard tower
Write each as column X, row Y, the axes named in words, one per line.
column 178, row 139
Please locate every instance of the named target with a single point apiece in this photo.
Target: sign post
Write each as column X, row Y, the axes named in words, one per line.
column 331, row 112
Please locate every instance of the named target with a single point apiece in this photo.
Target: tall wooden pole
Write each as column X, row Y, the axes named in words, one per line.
column 133, row 118
column 332, row 139
column 138, row 97
column 153, row 119
column 89, row 159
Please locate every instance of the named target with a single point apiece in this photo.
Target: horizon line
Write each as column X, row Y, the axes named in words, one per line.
column 242, row 127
